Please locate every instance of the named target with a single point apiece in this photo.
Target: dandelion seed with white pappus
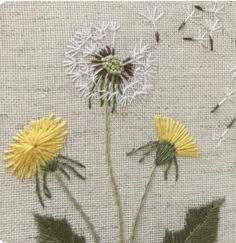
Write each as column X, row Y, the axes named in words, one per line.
column 222, row 137
column 211, row 8
column 228, row 96
column 191, row 14
column 151, row 17
column 200, row 38
column 211, row 27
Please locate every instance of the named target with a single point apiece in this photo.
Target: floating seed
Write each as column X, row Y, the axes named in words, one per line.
column 157, row 36
column 231, row 123
column 188, row 39
column 215, row 108
column 198, row 7
column 181, row 26
column 211, row 43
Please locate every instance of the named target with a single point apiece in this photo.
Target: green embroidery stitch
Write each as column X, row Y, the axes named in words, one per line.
column 111, row 72
column 174, row 140
column 60, row 164
column 201, row 225
column 112, row 176
column 55, row 231
column 113, row 81
column 110, row 79
column 35, row 152
column 78, row 207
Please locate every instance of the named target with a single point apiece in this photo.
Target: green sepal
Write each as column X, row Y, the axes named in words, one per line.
column 55, row 231
column 165, row 153
column 201, row 225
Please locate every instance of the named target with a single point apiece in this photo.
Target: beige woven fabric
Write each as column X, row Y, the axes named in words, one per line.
column 190, row 81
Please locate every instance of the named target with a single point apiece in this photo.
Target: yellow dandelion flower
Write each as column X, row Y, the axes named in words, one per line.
column 174, row 140
column 175, row 133
column 35, row 146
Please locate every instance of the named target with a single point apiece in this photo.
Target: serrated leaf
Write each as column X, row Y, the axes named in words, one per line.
column 56, row 231
column 201, row 225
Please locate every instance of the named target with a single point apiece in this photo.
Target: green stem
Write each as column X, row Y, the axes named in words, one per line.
column 79, row 208
column 110, row 171
column 141, row 206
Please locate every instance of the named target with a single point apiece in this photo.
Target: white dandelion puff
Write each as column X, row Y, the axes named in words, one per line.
column 99, row 72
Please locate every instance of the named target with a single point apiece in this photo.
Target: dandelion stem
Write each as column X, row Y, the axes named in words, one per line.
column 141, row 206
column 111, row 173
column 79, row 208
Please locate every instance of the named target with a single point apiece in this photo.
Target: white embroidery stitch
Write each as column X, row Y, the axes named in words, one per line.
column 207, row 18
column 94, row 38
column 150, row 16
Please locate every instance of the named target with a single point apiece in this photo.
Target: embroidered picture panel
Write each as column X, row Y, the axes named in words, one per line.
column 118, row 122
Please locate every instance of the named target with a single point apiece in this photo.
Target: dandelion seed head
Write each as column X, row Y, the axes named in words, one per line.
column 100, row 72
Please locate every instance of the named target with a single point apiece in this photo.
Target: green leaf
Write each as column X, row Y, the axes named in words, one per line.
column 201, row 225
column 56, row 231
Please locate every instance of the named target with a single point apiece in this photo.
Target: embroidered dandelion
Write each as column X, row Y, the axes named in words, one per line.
column 101, row 72
column 35, row 146
column 174, row 140
column 35, row 151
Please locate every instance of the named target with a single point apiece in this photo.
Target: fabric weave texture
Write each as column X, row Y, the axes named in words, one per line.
column 190, row 81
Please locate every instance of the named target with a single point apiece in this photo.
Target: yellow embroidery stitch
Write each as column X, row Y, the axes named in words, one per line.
column 173, row 132
column 174, row 140
column 36, row 145
column 36, row 151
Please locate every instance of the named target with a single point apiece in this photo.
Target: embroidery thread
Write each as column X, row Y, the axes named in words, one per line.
column 35, row 152
column 55, row 231
column 209, row 21
column 101, row 74
column 201, row 225
column 174, row 140
column 229, row 95
column 151, row 17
